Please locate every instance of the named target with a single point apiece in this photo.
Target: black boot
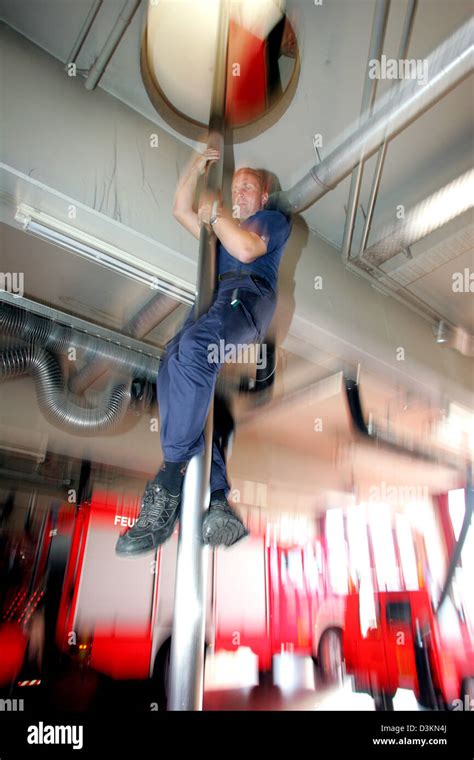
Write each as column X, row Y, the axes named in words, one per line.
column 158, row 517
column 221, row 525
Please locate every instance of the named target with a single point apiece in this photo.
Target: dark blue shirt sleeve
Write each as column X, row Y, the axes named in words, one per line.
column 273, row 227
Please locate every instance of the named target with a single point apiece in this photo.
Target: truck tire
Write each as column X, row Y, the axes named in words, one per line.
column 266, row 677
column 330, row 656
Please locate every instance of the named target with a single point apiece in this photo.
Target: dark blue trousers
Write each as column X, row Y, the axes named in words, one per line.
column 193, row 359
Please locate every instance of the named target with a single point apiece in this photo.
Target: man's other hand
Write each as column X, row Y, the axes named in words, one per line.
column 209, row 155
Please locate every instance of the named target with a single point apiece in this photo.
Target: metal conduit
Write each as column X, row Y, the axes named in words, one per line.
column 85, row 29
column 113, row 40
column 402, row 54
column 448, row 65
column 56, row 404
column 377, row 38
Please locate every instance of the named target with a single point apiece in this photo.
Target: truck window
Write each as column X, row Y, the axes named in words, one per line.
column 398, row 612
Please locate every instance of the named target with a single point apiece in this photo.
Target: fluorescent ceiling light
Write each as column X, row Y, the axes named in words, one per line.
column 99, row 252
column 446, row 204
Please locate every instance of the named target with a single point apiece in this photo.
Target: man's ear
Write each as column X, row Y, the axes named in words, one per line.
column 263, row 200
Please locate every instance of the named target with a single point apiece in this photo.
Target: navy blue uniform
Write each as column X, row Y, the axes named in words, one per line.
column 186, row 379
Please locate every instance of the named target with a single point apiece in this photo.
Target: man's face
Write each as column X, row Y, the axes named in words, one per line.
column 247, row 194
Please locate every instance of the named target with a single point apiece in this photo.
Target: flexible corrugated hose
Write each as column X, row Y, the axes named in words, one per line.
column 57, row 405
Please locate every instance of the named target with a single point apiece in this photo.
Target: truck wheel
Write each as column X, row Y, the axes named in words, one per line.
column 266, row 678
column 383, row 702
column 330, row 656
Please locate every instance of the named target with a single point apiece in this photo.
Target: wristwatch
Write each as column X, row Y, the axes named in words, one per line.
column 214, row 214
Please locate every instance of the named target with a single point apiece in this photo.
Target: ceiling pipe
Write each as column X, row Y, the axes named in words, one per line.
column 400, row 236
column 102, row 60
column 402, row 54
column 448, row 65
column 85, row 29
column 379, row 27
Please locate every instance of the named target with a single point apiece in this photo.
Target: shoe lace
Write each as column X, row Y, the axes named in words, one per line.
column 148, row 512
column 154, row 509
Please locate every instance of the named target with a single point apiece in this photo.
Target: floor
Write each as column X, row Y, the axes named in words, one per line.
column 231, row 683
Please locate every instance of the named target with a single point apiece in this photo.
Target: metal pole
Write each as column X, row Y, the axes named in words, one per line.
column 188, row 633
column 377, row 37
column 402, row 54
column 447, row 66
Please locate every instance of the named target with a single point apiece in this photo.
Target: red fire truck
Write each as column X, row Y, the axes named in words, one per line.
column 414, row 644
column 268, row 597
column 408, row 649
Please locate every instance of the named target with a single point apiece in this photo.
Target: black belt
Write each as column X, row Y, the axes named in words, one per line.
column 240, row 275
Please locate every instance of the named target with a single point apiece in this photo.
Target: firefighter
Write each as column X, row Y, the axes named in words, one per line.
column 250, row 244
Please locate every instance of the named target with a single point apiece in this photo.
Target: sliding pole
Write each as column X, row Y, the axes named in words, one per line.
column 188, row 634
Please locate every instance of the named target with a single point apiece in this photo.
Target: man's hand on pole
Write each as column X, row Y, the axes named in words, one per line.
column 209, row 155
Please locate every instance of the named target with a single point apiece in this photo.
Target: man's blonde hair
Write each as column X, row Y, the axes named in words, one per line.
column 260, row 174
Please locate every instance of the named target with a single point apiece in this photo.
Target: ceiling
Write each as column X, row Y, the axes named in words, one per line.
column 333, row 40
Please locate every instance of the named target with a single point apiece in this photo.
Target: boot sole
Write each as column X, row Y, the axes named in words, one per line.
column 222, row 532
